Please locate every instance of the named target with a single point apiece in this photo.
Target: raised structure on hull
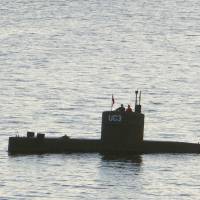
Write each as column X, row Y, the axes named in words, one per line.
column 122, row 128
column 121, row 132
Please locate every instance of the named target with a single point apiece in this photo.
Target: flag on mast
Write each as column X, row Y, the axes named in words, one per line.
column 113, row 101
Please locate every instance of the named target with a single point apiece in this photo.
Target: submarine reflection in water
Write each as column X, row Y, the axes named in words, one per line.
column 121, row 133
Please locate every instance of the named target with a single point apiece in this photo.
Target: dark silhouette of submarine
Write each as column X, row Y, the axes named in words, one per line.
column 121, row 133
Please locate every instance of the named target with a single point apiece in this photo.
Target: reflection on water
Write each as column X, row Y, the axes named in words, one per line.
column 136, row 159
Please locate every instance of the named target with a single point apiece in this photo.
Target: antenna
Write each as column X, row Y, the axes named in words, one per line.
column 137, row 106
column 140, row 97
column 136, row 93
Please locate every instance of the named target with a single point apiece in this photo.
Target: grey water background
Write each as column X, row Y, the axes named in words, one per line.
column 60, row 62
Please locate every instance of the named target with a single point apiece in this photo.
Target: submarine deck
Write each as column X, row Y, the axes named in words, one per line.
column 25, row 145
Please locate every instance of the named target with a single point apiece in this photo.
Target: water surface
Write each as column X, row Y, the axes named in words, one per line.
column 61, row 61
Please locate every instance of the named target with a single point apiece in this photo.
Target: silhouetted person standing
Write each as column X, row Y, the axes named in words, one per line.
column 121, row 108
column 129, row 109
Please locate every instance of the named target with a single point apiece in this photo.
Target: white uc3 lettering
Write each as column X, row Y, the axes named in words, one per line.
column 115, row 118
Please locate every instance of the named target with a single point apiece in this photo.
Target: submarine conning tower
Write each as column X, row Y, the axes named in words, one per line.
column 121, row 128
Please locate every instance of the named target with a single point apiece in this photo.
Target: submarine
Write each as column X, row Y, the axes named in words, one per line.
column 122, row 132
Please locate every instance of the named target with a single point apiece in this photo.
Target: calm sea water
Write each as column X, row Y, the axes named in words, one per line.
column 60, row 62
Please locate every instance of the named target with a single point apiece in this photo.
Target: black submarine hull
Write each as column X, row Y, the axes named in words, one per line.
column 24, row 145
column 121, row 133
